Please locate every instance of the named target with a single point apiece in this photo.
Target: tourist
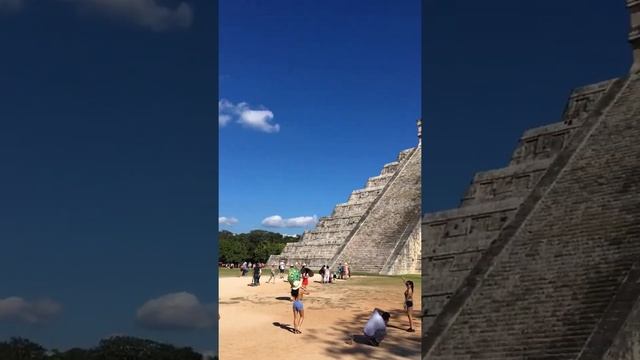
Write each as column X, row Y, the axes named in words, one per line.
column 341, row 271
column 298, row 307
column 327, row 274
column 376, row 328
column 256, row 274
column 305, row 278
column 272, row 274
column 281, row 268
column 243, row 268
column 321, row 272
column 408, row 302
column 347, row 270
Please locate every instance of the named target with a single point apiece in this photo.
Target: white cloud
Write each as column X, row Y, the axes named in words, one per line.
column 18, row 309
column 223, row 220
column 11, row 5
column 223, row 120
column 146, row 13
column 176, row 311
column 243, row 114
column 300, row 221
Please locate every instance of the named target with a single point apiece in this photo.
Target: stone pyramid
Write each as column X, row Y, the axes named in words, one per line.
column 542, row 258
column 376, row 231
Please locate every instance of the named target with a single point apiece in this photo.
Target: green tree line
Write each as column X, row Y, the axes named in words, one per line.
column 255, row 246
column 113, row 348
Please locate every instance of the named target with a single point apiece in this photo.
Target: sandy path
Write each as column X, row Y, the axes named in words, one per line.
column 254, row 321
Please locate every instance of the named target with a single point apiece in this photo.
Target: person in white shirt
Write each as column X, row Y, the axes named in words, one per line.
column 376, row 327
column 281, row 268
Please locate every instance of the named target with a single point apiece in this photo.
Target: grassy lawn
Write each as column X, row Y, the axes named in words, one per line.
column 368, row 279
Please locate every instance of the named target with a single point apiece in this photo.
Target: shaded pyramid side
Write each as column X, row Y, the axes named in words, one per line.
column 560, row 280
column 455, row 239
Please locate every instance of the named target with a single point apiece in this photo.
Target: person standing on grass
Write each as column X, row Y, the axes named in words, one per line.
column 408, row 302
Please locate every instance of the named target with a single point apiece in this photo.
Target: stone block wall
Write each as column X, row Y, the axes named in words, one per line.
column 454, row 240
column 408, row 260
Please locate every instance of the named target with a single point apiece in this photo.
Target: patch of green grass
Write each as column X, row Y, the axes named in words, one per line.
column 224, row 272
column 380, row 280
column 364, row 279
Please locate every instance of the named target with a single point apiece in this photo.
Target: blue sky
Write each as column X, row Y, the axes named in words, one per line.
column 316, row 97
column 493, row 69
column 108, row 194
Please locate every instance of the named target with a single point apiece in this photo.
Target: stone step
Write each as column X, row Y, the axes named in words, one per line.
column 378, row 181
column 542, row 143
column 364, row 195
column 390, row 168
column 501, row 184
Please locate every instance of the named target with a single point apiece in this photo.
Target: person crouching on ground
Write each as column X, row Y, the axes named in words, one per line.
column 298, row 308
column 376, row 328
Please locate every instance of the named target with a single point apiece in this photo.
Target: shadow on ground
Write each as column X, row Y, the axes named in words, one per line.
column 284, row 327
column 354, row 345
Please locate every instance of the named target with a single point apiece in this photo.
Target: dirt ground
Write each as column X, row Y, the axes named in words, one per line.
column 257, row 321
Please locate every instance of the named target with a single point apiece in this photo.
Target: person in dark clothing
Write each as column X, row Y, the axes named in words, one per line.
column 256, row 274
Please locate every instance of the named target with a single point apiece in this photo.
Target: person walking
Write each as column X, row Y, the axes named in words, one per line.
column 298, row 307
column 243, row 268
column 281, row 268
column 256, row 274
column 272, row 274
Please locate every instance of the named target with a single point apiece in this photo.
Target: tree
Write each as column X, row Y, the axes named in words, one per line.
column 255, row 246
column 114, row 348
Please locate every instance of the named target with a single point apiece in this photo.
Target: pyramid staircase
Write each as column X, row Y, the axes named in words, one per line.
column 322, row 245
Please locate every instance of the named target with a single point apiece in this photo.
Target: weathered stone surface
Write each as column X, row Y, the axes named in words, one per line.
column 381, row 237
column 634, row 33
column 387, row 211
column 454, row 240
column 560, row 278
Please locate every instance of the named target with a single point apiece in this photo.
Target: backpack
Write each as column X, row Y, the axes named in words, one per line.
column 294, row 275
